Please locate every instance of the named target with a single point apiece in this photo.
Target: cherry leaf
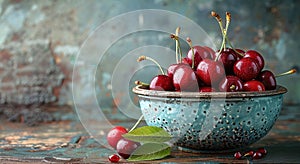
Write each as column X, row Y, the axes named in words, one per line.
column 150, row 151
column 148, row 134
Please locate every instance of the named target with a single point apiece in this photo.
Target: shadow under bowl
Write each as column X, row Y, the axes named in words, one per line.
column 212, row 121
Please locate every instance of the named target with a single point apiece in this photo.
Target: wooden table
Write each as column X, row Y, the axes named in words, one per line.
column 66, row 141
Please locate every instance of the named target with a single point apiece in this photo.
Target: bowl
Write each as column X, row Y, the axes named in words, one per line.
column 212, row 121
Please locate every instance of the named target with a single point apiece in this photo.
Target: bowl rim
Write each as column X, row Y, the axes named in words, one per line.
column 140, row 90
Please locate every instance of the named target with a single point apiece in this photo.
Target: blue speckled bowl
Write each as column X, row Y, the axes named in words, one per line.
column 215, row 121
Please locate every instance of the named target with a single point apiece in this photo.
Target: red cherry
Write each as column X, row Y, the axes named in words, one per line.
column 257, row 57
column 126, row 147
column 231, row 84
column 246, row 69
column 257, row 155
column 200, row 53
column 263, row 151
column 228, row 58
column 240, row 54
column 185, row 79
column 210, row 71
column 211, row 51
column 254, row 85
column 249, row 153
column 114, row 158
column 207, row 89
column 238, row 155
column 268, row 79
column 162, row 83
column 172, row 67
column 114, row 135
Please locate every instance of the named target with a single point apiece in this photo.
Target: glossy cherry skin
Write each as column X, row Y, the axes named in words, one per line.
column 253, row 85
column 114, row 158
column 172, row 67
column 210, row 72
column 240, row 54
column 185, row 79
column 257, row 155
column 231, row 84
column 211, row 51
column 207, row 89
column 246, row 69
column 263, row 151
column 126, row 147
column 238, row 155
column 114, row 135
column 268, row 79
column 257, row 57
column 200, row 54
column 228, row 58
column 187, row 61
column 162, row 83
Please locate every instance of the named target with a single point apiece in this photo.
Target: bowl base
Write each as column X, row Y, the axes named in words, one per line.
column 189, row 150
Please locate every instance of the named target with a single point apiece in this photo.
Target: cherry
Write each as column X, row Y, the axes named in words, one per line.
column 230, row 84
column 268, row 79
column 239, row 53
column 187, row 61
column 238, row 155
column 126, row 147
column 263, row 151
column 254, row 85
column 200, row 53
column 185, row 79
column 228, row 57
column 257, row 155
column 257, row 57
column 114, row 158
column 211, row 51
column 114, row 135
column 162, row 83
column 207, row 89
column 246, row 69
column 210, row 71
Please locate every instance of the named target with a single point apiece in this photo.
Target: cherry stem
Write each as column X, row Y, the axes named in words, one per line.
column 177, row 45
column 141, row 58
column 192, row 48
column 137, row 123
column 287, row 73
column 223, row 31
column 141, row 83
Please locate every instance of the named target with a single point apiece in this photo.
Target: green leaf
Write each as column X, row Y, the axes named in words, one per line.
column 150, row 151
column 148, row 134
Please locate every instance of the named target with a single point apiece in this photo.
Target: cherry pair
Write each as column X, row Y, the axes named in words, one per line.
column 258, row 154
column 123, row 146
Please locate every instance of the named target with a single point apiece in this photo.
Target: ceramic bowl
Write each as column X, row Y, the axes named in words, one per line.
column 212, row 121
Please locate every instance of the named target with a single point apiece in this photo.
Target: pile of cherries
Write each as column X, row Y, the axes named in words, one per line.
column 206, row 70
column 258, row 154
column 123, row 146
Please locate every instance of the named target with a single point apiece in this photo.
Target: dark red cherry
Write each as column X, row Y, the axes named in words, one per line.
column 228, row 58
column 231, row 84
column 114, row 135
column 246, row 69
column 254, row 85
column 126, row 147
column 210, row 71
column 257, row 57
column 162, row 83
column 263, row 151
column 185, row 79
column 114, row 158
column 172, row 67
column 268, row 79
column 211, row 51
column 249, row 153
column 207, row 89
column 257, row 155
column 200, row 54
column 238, row 155
column 240, row 54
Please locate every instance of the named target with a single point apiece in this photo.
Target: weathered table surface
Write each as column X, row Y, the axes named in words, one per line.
column 66, row 141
